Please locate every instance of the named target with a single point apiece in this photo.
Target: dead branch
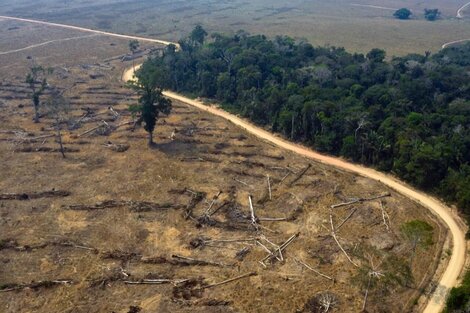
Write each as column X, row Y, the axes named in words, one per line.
column 281, row 248
column 360, row 200
column 385, row 216
column 346, row 219
column 228, row 280
column 35, row 195
column 103, row 124
column 312, row 269
column 214, row 199
column 333, row 234
column 273, row 219
column 155, row 281
column 240, row 255
column 35, row 285
column 191, row 261
column 300, row 174
column 269, row 187
column 278, row 248
column 241, row 182
column 252, row 211
column 134, row 206
column 270, row 252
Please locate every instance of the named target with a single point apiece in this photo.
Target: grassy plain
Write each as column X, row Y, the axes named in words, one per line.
column 352, row 24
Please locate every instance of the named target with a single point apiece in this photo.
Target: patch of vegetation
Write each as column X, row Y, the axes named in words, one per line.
column 408, row 116
column 459, row 297
column 431, row 14
column 402, row 14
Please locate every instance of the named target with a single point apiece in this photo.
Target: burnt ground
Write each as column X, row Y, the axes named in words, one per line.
column 82, row 234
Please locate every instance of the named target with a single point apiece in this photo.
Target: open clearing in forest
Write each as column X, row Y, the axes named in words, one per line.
column 115, row 211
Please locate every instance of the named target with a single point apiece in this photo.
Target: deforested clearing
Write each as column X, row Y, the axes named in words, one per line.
column 209, row 219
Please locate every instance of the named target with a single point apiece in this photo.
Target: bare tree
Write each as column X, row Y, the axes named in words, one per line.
column 57, row 108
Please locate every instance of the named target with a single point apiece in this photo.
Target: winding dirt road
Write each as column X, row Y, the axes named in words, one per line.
column 457, row 260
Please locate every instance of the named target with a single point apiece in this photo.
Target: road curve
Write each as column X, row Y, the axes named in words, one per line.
column 448, row 44
column 460, row 10
column 457, row 260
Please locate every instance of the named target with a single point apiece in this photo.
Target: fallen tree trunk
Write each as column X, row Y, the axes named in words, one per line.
column 35, row 285
column 228, row 281
column 300, row 174
column 134, row 206
column 360, row 200
column 35, row 195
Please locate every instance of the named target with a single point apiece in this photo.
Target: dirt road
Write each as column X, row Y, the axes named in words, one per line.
column 88, row 30
column 457, row 260
column 47, row 43
column 448, row 44
column 462, row 8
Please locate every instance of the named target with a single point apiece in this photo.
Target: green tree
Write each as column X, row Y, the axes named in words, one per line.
column 150, row 81
column 432, row 14
column 198, row 35
column 37, row 81
column 402, row 14
column 134, row 46
column 376, row 55
column 459, row 297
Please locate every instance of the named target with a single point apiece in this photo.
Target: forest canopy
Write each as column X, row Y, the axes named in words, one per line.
column 407, row 115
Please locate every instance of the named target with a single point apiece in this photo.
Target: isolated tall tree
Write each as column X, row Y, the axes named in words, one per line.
column 198, row 35
column 402, row 14
column 57, row 107
column 37, row 80
column 150, row 81
column 432, row 14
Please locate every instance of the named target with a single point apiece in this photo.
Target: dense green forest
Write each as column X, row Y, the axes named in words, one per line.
column 407, row 115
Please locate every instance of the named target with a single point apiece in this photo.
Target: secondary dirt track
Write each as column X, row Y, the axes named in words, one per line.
column 457, row 261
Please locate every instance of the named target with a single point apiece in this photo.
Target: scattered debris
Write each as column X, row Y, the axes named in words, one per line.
column 116, row 147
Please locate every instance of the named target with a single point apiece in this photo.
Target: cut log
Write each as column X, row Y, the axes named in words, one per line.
column 35, row 195
column 191, row 261
column 312, row 269
column 228, row 280
column 359, row 200
column 300, row 174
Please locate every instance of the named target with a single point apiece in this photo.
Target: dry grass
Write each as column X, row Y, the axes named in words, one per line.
column 336, row 23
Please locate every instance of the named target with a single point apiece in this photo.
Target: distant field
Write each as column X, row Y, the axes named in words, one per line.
column 358, row 25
